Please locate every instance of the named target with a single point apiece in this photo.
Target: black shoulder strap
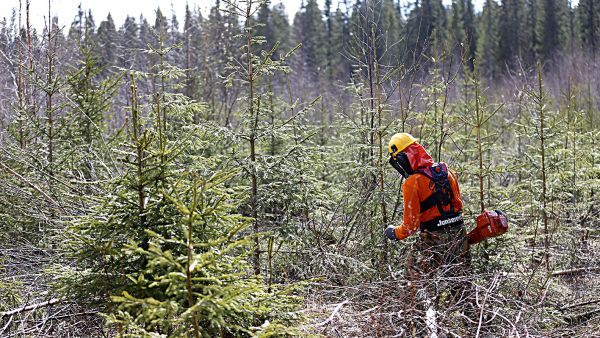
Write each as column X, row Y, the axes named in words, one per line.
column 443, row 194
column 429, row 202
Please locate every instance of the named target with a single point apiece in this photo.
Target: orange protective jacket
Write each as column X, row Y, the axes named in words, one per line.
column 418, row 188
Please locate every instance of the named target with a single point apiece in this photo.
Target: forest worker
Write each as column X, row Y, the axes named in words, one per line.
column 432, row 205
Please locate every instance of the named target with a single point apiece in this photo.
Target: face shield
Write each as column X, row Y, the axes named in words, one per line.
column 401, row 164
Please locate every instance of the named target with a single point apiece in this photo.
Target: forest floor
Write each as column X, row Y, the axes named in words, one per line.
column 517, row 303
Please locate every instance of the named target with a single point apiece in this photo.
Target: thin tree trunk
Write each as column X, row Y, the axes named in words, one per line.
column 136, row 130
column 49, row 94
column 254, row 117
column 541, row 110
column 20, row 84
column 190, row 251
column 380, row 160
column 479, row 117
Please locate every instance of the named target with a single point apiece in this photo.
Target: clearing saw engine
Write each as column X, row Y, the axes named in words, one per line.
column 489, row 224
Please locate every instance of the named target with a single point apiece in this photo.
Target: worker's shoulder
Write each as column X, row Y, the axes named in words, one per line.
column 418, row 178
column 413, row 180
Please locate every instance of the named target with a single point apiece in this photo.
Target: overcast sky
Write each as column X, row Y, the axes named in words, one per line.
column 66, row 10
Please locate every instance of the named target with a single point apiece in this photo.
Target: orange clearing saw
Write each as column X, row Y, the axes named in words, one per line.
column 489, row 224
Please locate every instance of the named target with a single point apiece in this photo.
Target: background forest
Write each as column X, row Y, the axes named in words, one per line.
column 225, row 173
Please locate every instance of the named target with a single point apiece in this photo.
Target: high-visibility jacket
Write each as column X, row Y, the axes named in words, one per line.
column 417, row 188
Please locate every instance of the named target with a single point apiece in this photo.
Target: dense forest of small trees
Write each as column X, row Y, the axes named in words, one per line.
column 224, row 173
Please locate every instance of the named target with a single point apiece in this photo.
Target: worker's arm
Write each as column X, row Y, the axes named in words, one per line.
column 412, row 211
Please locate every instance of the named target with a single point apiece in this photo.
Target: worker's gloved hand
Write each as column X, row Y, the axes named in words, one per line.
column 390, row 232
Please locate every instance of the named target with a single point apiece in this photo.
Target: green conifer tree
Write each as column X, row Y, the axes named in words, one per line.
column 462, row 34
column 311, row 33
column 129, row 44
column 280, row 28
column 489, row 53
column 509, row 17
column 426, row 29
column 588, row 24
column 105, row 43
column 338, row 66
column 551, row 29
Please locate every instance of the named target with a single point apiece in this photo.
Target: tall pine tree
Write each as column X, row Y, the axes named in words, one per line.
column 311, row 32
column 425, row 29
column 588, row 24
column 551, row 28
column 106, row 43
column 488, row 51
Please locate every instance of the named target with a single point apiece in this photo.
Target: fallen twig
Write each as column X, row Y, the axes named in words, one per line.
column 30, row 307
column 335, row 311
column 33, row 186
column 570, row 306
column 7, row 325
column 487, row 292
column 575, row 271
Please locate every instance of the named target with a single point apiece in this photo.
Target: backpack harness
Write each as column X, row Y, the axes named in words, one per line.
column 441, row 196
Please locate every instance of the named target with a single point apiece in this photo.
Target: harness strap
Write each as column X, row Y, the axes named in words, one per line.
column 443, row 194
column 429, row 203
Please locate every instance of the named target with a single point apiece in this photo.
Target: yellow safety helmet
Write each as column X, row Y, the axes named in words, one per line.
column 399, row 142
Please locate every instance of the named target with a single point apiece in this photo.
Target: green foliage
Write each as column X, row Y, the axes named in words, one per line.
column 337, row 64
column 106, row 44
column 162, row 250
column 462, row 33
column 9, row 290
column 183, row 202
column 276, row 28
column 132, row 203
column 426, row 27
column 90, row 98
column 489, row 51
column 310, row 32
column 588, row 24
column 166, row 249
column 551, row 30
column 196, row 282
